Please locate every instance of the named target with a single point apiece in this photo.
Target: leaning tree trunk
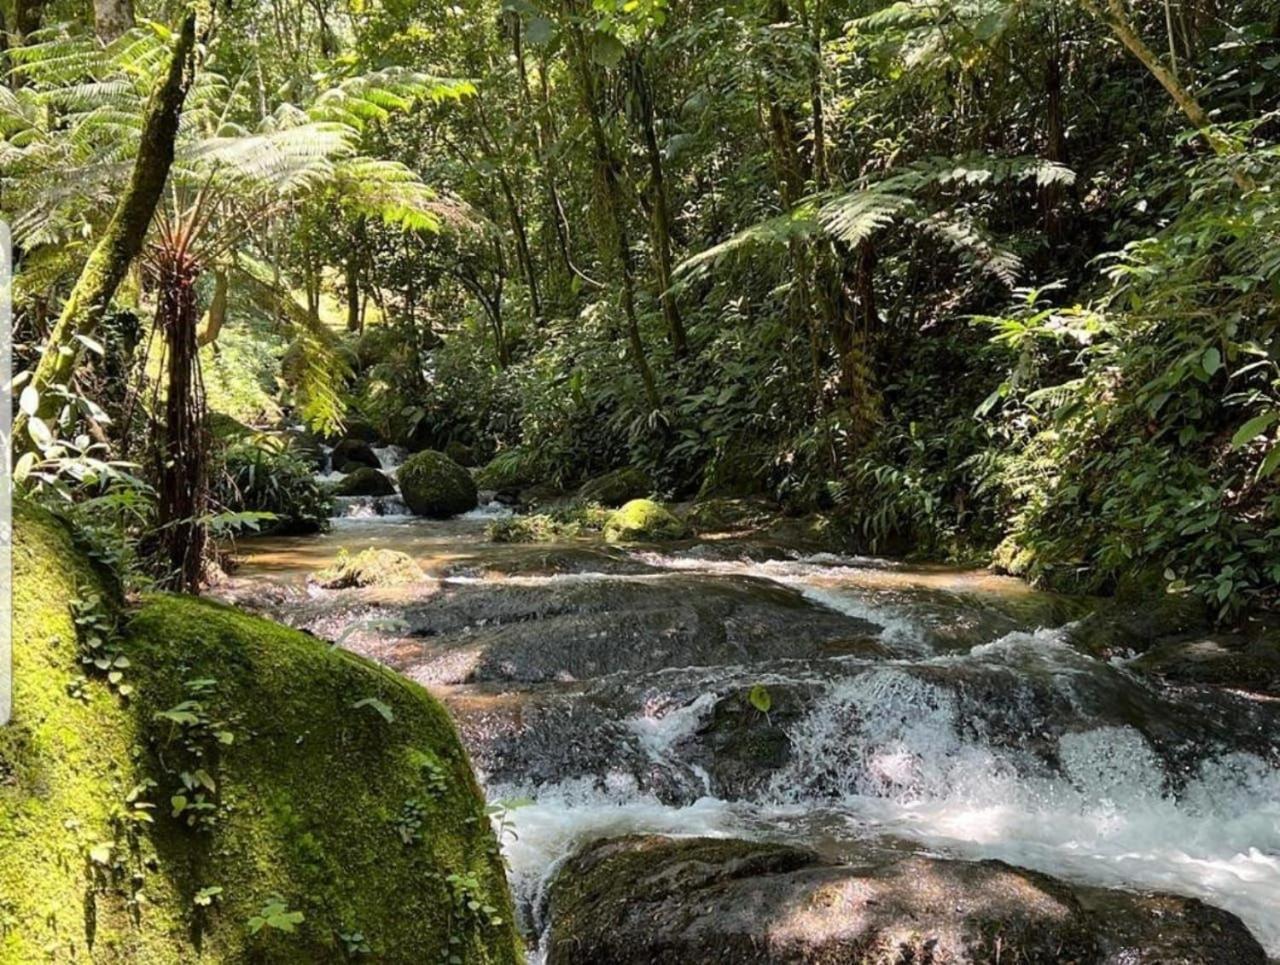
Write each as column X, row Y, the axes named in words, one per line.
column 181, row 456
column 121, row 242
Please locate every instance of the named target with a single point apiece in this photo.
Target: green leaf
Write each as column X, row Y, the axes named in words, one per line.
column 1270, row 464
column 1253, row 428
column 40, row 433
column 1211, row 360
column 29, row 402
column 606, row 49
column 760, row 698
column 539, row 30
column 101, row 853
column 377, row 705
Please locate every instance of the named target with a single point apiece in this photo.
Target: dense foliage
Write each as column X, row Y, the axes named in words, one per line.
column 974, row 276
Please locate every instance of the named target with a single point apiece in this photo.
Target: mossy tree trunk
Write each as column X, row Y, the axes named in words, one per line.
column 120, row 243
column 111, row 18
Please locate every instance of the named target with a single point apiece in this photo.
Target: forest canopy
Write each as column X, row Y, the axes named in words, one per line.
column 987, row 280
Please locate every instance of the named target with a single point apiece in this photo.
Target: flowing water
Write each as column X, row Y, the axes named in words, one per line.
column 953, row 712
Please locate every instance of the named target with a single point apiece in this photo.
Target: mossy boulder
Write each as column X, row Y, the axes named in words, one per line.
column 617, row 487
column 354, row 451
column 340, row 791
column 460, row 452
column 434, row 485
column 364, row 481
column 371, row 567
column 643, row 520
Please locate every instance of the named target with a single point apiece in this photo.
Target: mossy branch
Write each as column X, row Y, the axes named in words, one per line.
column 123, row 238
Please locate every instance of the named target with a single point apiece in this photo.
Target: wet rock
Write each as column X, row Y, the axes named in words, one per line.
column 371, row 567
column 578, row 628
column 1119, row 628
column 652, row 899
column 1138, row 929
column 434, row 485
column 659, row 900
column 365, row 481
column 1219, row 661
column 728, row 515
column 741, row 747
column 355, row 451
column 617, row 487
column 643, row 520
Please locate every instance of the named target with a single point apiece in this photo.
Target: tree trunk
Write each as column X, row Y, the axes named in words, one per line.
column 111, row 18
column 217, row 313
column 660, row 216
column 122, row 240
column 182, row 490
column 1118, row 21
column 616, row 211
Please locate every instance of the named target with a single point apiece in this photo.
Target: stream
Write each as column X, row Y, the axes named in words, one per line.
column 603, row 691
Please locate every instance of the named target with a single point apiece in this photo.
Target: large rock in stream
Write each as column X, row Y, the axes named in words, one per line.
column 434, row 485
column 574, row 628
column 650, row 900
column 233, row 763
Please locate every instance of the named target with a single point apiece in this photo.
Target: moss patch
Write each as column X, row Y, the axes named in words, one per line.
column 641, row 520
column 434, row 485
column 371, row 567
column 363, row 824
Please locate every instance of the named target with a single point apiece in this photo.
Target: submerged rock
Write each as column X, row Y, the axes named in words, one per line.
column 643, row 520
column 371, row 567
column 657, row 900
column 617, row 487
column 313, row 778
column 365, row 481
column 434, row 485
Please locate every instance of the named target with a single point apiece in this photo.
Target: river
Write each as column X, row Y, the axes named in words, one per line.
column 602, row 691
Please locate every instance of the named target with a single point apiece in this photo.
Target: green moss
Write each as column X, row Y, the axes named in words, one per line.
column 371, row 567
column 308, row 793
column 434, row 485
column 617, row 487
column 642, row 519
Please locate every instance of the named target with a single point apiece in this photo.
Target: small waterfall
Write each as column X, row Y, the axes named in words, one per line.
column 390, row 458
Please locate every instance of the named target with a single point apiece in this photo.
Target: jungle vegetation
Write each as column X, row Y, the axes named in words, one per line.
column 991, row 280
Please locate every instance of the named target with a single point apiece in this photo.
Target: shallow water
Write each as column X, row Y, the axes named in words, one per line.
column 926, row 707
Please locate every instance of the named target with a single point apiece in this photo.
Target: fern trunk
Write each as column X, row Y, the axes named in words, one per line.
column 120, row 244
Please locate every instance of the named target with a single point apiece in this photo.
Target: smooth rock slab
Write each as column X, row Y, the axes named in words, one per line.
column 651, row 900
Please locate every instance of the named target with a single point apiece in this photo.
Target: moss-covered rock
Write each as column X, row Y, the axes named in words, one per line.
column 371, row 567
column 364, row 481
column 643, row 520
column 340, row 790
column 460, row 452
column 434, row 485
column 617, row 487
column 354, row 451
